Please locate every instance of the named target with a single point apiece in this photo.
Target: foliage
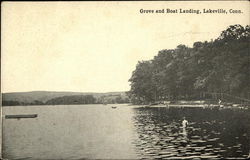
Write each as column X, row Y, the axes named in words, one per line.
column 18, row 103
column 73, row 99
column 77, row 99
column 220, row 66
column 111, row 99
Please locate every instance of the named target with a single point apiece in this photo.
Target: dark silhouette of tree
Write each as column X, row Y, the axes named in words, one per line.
column 221, row 65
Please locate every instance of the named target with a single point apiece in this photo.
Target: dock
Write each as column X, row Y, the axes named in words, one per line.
column 20, row 116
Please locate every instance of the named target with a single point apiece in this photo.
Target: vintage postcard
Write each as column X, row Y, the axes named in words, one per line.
column 125, row 80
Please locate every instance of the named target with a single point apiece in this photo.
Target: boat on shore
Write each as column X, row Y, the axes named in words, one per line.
column 18, row 116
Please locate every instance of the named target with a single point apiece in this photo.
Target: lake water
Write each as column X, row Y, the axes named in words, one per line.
column 127, row 132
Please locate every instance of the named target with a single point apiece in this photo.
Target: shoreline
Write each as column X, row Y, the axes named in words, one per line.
column 167, row 105
column 209, row 106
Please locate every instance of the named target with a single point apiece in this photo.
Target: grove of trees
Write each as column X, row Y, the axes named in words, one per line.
column 219, row 66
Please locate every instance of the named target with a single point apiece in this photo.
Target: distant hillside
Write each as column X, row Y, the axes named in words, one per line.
column 44, row 96
column 76, row 99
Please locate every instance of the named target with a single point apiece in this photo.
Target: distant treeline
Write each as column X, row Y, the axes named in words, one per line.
column 78, row 99
column 74, row 99
column 219, row 66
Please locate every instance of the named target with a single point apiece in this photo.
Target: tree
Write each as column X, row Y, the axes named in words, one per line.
column 221, row 65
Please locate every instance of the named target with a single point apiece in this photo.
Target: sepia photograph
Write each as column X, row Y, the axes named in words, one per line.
column 125, row 80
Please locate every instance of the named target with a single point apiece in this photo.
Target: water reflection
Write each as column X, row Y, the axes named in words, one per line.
column 210, row 133
column 184, row 133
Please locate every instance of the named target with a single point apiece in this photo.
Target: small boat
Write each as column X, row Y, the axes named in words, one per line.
column 114, row 107
column 16, row 116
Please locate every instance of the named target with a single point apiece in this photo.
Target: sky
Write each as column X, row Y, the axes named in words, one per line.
column 95, row 46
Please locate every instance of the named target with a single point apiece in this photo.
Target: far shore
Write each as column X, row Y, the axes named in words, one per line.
column 179, row 104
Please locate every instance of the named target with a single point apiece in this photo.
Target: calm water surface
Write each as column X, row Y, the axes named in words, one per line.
column 128, row 132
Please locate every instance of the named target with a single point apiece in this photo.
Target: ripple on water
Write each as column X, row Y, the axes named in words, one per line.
column 166, row 140
column 213, row 139
column 198, row 148
column 196, row 137
column 198, row 141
